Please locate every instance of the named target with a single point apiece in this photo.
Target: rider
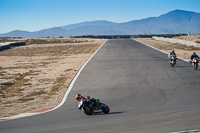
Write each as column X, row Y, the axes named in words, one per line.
column 93, row 101
column 193, row 55
column 172, row 53
column 79, row 97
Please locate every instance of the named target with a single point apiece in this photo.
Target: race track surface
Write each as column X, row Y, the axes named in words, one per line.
column 144, row 93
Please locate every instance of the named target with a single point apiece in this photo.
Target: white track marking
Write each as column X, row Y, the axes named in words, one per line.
column 64, row 98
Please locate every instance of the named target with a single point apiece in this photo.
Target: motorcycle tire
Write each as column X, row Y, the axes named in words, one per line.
column 196, row 66
column 105, row 108
column 87, row 110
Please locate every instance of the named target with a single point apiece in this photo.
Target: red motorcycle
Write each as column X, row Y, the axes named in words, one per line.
column 195, row 63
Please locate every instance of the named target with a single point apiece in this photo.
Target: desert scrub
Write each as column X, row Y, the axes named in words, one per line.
column 10, row 88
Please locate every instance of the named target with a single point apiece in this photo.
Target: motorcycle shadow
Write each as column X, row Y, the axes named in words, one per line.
column 184, row 66
column 113, row 113
column 110, row 113
column 188, row 67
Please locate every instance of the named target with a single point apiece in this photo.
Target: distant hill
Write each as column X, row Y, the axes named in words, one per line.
column 16, row 33
column 174, row 22
column 88, row 23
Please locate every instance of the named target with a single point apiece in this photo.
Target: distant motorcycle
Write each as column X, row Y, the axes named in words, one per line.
column 195, row 62
column 84, row 105
column 172, row 61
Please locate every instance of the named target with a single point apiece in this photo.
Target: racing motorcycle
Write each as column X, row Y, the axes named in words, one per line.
column 195, row 62
column 172, row 61
column 84, row 105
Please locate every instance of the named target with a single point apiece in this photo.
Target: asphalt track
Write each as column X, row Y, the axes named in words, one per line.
column 144, row 93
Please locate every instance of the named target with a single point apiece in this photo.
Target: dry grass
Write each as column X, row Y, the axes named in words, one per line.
column 167, row 46
column 182, row 47
column 36, row 76
column 51, row 50
column 182, row 51
column 59, row 83
column 192, row 38
column 10, row 88
column 50, row 40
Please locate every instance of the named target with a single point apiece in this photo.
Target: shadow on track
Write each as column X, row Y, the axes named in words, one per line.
column 198, row 69
column 183, row 66
column 113, row 113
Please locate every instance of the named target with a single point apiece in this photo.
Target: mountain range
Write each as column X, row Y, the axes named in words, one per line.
column 174, row 22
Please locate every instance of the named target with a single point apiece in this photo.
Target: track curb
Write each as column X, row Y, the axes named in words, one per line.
column 41, row 111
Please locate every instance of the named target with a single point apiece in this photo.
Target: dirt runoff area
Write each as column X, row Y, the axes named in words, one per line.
column 36, row 76
column 182, row 51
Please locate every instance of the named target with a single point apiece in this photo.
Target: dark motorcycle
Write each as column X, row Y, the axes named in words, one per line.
column 172, row 61
column 195, row 62
column 84, row 105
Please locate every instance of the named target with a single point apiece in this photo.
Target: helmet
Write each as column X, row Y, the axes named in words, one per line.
column 78, row 97
column 172, row 51
column 194, row 53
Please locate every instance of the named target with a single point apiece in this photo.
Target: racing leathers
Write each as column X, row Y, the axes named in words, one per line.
column 193, row 55
column 172, row 53
column 93, row 101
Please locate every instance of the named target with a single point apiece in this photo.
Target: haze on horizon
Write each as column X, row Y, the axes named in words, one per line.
column 33, row 15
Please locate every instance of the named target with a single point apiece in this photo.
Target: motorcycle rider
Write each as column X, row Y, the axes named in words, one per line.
column 192, row 56
column 79, row 97
column 93, row 101
column 172, row 53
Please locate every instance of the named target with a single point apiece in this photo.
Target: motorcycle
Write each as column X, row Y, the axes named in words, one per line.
column 172, row 61
column 84, row 105
column 195, row 62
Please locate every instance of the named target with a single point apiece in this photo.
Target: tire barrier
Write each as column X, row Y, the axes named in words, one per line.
column 4, row 47
column 9, row 45
column 16, row 44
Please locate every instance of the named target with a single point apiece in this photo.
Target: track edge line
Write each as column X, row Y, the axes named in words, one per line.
column 22, row 115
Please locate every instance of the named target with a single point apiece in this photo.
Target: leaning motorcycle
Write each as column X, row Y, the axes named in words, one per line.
column 172, row 61
column 84, row 105
column 195, row 62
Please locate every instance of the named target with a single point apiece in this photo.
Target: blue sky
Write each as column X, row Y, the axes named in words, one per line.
column 33, row 15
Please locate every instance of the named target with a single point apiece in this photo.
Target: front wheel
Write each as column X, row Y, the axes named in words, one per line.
column 105, row 108
column 196, row 66
column 172, row 64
